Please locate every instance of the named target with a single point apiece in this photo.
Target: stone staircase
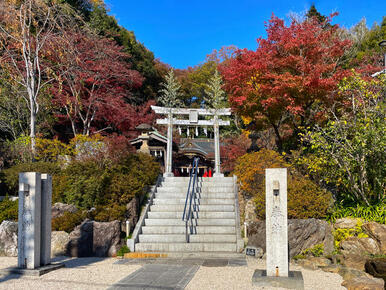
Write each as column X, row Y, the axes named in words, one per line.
column 217, row 218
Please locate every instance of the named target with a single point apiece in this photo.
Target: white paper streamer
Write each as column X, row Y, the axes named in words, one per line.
column 196, row 131
column 179, row 130
column 206, row 131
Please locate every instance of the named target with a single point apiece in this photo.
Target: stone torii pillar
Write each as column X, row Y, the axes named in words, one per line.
column 169, row 147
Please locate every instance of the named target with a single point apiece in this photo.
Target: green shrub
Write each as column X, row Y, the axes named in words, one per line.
column 367, row 213
column 305, row 198
column 343, row 234
column 8, row 210
column 10, row 176
column 109, row 213
column 68, row 221
column 83, row 183
column 315, row 251
column 131, row 175
column 122, row 251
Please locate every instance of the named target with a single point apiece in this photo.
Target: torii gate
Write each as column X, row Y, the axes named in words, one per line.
column 193, row 121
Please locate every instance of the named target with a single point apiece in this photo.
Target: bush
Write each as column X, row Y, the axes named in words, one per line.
column 10, row 176
column 109, row 214
column 130, row 177
column 305, row 199
column 89, row 183
column 8, row 210
column 68, row 221
column 82, row 183
column 122, row 251
column 367, row 213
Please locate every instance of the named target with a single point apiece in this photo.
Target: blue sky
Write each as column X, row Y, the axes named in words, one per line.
column 181, row 33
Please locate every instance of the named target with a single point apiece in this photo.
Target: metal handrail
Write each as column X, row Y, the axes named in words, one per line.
column 188, row 214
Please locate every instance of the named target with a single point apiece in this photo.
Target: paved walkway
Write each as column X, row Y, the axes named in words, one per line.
column 168, row 273
column 158, row 276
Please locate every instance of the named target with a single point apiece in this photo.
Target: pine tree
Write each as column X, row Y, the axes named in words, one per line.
column 312, row 12
column 170, row 92
column 215, row 96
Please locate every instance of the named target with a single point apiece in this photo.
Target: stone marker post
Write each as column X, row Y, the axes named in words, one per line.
column 169, row 147
column 277, row 273
column 34, row 223
column 45, row 255
column 276, row 221
column 29, row 220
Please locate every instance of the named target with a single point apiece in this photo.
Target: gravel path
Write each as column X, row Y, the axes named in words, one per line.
column 83, row 273
column 98, row 273
column 241, row 278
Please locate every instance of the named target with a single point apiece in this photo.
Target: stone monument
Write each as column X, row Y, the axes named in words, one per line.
column 34, row 225
column 277, row 273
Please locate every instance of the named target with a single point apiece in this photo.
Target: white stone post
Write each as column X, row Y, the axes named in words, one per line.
column 217, row 167
column 169, row 147
column 276, row 221
column 29, row 220
column 46, row 215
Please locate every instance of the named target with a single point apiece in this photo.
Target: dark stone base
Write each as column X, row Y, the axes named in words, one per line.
column 293, row 281
column 32, row 272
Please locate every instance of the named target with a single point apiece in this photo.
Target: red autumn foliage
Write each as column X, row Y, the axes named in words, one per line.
column 93, row 84
column 291, row 76
column 231, row 149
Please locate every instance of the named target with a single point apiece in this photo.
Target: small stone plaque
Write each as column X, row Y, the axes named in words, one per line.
column 249, row 251
column 193, row 116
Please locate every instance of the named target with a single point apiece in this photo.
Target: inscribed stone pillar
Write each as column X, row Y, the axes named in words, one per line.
column 169, row 153
column 276, row 221
column 45, row 249
column 29, row 220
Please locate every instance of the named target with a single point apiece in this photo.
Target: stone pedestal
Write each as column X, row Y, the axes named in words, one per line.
column 294, row 280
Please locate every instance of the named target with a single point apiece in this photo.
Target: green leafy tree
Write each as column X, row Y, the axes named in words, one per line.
column 313, row 12
column 348, row 152
column 170, row 91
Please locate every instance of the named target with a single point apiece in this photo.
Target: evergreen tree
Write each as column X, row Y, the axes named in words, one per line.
column 215, row 96
column 313, row 12
column 170, row 91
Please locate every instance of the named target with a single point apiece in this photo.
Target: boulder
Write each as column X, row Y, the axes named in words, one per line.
column 376, row 267
column 92, row 238
column 59, row 243
column 81, row 240
column 58, row 209
column 377, row 232
column 346, row 223
column 132, row 211
column 8, row 239
column 364, row 283
column 355, row 251
column 313, row 263
column 107, row 238
column 302, row 234
column 350, row 273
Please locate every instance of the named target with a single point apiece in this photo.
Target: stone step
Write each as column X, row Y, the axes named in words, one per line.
column 182, row 230
column 167, row 195
column 198, row 255
column 200, row 184
column 180, row 207
column 185, row 247
column 218, row 180
column 202, row 201
column 184, row 190
column 196, row 222
column 201, row 214
column 181, row 238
